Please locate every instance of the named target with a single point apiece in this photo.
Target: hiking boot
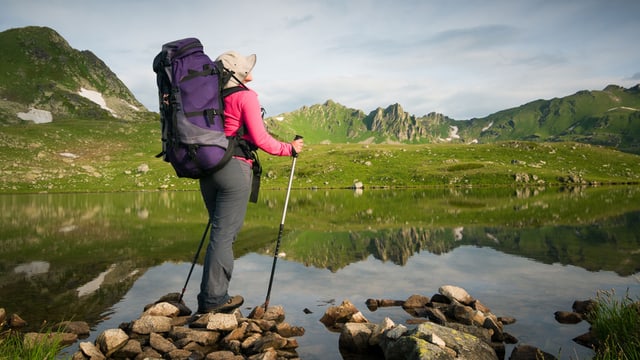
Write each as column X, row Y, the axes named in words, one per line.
column 233, row 303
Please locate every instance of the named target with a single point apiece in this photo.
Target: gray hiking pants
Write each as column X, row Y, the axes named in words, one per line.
column 226, row 195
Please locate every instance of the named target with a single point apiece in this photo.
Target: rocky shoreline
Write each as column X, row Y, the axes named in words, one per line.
column 450, row 324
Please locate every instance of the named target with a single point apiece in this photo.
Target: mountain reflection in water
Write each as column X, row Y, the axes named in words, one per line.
column 523, row 252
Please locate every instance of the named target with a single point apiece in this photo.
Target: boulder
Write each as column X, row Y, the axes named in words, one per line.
column 111, row 340
column 433, row 341
column 567, row 317
column 456, row 293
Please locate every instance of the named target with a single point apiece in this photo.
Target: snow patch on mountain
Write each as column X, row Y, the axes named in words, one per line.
column 96, row 97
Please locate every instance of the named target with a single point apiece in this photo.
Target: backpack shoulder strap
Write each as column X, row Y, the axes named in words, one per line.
column 234, row 89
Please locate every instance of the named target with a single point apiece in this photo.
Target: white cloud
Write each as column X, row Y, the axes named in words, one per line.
column 462, row 58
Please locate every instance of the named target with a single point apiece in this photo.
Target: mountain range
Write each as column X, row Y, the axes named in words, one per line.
column 45, row 79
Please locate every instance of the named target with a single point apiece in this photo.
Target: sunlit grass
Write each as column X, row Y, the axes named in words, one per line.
column 91, row 156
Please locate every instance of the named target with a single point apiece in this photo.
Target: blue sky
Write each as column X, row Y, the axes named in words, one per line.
column 462, row 58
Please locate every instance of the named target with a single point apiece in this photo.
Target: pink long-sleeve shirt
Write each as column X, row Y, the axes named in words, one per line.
column 243, row 108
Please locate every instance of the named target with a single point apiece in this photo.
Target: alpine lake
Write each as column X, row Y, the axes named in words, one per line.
column 523, row 252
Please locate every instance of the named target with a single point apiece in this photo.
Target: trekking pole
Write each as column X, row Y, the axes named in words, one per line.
column 195, row 258
column 284, row 214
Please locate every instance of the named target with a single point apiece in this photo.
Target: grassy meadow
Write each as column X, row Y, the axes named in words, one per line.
column 109, row 155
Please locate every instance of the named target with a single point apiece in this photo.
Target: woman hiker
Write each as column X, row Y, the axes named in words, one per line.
column 226, row 191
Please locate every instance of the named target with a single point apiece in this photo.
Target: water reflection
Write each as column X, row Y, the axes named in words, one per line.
column 82, row 256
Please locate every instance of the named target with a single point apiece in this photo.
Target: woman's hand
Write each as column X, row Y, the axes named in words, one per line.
column 297, row 145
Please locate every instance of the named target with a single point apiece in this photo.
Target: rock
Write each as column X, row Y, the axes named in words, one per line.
column 374, row 304
column 355, row 337
column 174, row 299
column 149, row 353
column 129, row 351
column 587, row 339
column 411, row 347
column 479, row 332
column 456, row 293
column 494, row 325
column 435, row 315
column 286, row 330
column 274, row 313
column 380, row 329
column 224, row 355
column 584, row 307
column 179, row 354
column 264, row 325
column 396, row 332
column 91, row 351
column 527, row 352
column 111, row 340
column 222, row 322
column 463, row 314
column 250, row 340
column 416, row 301
column 567, row 317
column 358, row 318
column 440, row 299
column 161, row 344
column 435, row 340
column 16, row 322
column 163, row 309
column 336, row 316
column 238, row 333
column 506, row 320
column 476, row 304
column 263, row 343
column 147, row 324
column 143, row 168
column 80, row 328
column 465, row 345
column 509, row 339
column 257, row 312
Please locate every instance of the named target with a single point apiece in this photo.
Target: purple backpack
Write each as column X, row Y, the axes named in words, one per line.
column 192, row 109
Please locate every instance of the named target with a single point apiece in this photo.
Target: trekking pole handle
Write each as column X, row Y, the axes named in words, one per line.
column 297, row 137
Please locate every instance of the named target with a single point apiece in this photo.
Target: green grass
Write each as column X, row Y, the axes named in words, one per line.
column 108, row 153
column 13, row 346
column 616, row 325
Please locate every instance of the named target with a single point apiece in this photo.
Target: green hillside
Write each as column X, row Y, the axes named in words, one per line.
column 41, row 71
column 610, row 117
